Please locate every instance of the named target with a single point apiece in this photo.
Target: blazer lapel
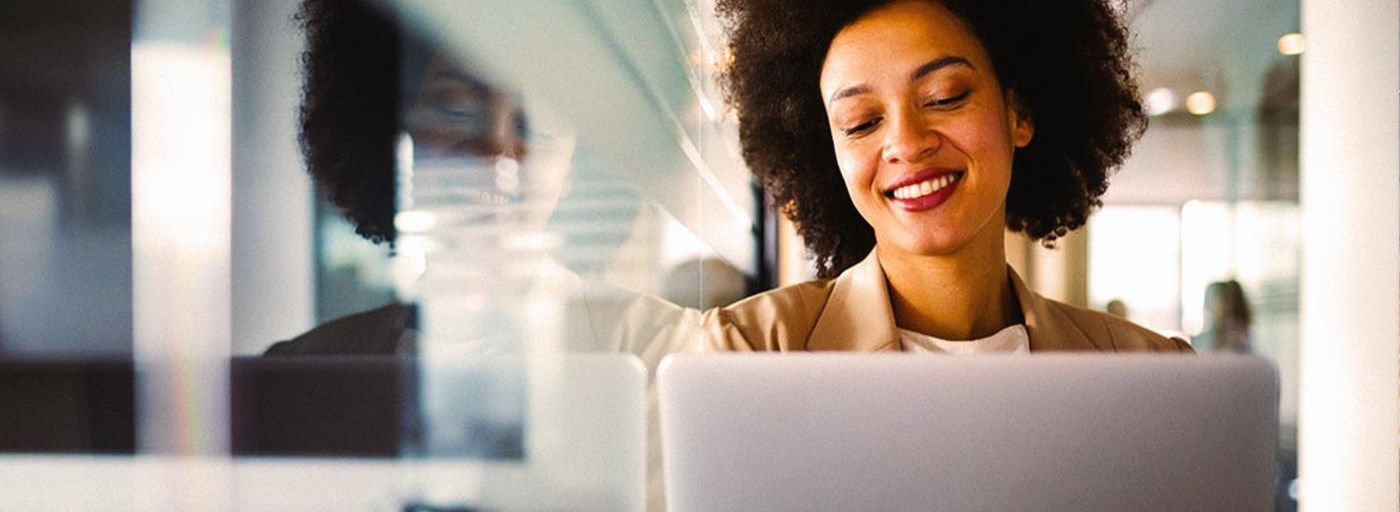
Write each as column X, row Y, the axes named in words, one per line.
column 1048, row 327
column 857, row 316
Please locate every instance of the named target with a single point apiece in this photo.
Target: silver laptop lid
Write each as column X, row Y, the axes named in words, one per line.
column 901, row 432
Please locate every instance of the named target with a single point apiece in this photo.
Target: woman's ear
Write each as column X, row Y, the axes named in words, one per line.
column 1019, row 119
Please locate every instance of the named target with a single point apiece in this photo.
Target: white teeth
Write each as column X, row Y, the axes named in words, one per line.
column 923, row 188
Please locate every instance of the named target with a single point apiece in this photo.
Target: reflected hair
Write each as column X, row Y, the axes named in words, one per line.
column 359, row 69
column 1067, row 62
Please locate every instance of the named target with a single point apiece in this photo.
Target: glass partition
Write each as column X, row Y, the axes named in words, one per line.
column 425, row 253
column 487, row 208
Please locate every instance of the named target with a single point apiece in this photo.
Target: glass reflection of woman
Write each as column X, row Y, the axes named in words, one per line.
column 903, row 139
column 368, row 80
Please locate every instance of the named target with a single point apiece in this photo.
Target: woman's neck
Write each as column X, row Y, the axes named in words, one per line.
column 964, row 296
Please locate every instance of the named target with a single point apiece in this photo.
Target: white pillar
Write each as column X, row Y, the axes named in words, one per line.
column 180, row 238
column 272, row 262
column 1349, row 434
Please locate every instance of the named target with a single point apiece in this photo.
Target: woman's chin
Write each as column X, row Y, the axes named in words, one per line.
column 926, row 244
column 945, row 241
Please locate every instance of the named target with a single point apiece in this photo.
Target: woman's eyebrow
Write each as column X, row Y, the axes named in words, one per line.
column 939, row 63
column 924, row 70
column 847, row 92
column 476, row 85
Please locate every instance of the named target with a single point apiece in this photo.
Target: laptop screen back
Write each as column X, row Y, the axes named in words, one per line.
column 1049, row 433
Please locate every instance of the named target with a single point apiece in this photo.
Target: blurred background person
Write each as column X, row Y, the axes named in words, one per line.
column 1117, row 307
column 1227, row 320
column 704, row 283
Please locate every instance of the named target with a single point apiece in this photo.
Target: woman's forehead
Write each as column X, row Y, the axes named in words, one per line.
column 893, row 41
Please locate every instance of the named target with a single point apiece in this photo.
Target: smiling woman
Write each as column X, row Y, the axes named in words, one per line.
column 924, row 134
column 1067, row 64
column 903, row 139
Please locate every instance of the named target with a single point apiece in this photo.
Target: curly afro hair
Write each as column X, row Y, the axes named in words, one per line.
column 359, row 68
column 1067, row 62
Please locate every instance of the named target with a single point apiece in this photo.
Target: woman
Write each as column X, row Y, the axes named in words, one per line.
column 903, row 139
column 368, row 79
column 1227, row 319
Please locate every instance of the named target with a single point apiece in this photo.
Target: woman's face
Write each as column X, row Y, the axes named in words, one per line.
column 455, row 115
column 477, row 133
column 923, row 133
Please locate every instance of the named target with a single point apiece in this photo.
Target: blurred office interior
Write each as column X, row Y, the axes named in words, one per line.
column 155, row 206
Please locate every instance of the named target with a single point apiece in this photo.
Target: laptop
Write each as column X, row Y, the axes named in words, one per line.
column 68, row 406
column 337, row 433
column 506, row 432
column 902, row 432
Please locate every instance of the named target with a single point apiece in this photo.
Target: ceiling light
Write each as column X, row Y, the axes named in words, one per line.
column 1292, row 44
column 414, row 221
column 1160, row 101
column 1200, row 103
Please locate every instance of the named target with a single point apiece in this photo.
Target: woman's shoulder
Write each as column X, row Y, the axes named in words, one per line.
column 1119, row 334
column 379, row 331
column 779, row 319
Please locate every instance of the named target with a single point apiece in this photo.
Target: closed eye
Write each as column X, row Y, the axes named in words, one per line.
column 948, row 102
column 861, row 128
column 460, row 110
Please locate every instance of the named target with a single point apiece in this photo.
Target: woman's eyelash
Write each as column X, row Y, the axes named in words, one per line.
column 860, row 128
column 948, row 101
column 459, row 110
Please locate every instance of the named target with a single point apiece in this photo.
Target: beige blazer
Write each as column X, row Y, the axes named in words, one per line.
column 852, row 313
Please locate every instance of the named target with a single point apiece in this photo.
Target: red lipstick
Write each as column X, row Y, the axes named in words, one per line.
column 924, row 190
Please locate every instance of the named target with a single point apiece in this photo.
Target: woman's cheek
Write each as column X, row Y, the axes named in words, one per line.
column 852, row 174
column 992, row 137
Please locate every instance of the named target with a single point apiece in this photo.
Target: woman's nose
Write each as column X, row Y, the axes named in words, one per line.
column 502, row 137
column 909, row 137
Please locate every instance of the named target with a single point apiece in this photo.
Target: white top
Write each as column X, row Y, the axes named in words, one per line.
column 1011, row 340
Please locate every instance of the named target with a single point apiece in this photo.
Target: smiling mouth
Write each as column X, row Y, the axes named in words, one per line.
column 925, row 187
